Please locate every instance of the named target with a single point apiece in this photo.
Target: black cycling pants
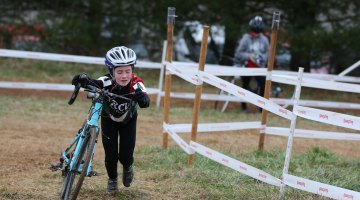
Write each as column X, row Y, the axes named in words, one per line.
column 116, row 149
column 260, row 82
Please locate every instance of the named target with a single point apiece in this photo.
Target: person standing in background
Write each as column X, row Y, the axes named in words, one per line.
column 252, row 52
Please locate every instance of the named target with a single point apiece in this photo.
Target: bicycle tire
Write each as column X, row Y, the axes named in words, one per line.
column 71, row 175
column 88, row 156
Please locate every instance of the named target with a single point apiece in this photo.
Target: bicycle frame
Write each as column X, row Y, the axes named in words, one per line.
column 92, row 121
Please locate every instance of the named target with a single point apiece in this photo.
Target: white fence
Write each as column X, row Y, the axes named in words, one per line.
column 198, row 77
column 285, row 77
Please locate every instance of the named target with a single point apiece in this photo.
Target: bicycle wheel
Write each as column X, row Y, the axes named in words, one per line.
column 74, row 178
column 87, row 158
column 70, row 175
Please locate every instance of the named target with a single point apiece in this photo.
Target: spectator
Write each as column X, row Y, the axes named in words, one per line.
column 252, row 52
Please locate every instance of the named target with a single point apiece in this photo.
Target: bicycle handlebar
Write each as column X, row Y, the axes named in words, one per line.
column 104, row 92
column 74, row 94
column 93, row 89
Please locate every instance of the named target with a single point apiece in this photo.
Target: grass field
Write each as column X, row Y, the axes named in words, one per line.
column 37, row 125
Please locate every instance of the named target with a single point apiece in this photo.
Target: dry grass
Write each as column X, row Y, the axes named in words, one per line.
column 35, row 129
column 37, row 125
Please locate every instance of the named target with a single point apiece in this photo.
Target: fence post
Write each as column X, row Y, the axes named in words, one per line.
column 292, row 130
column 198, row 91
column 161, row 76
column 169, row 49
column 270, row 66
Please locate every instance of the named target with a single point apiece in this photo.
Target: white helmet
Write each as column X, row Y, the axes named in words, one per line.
column 120, row 56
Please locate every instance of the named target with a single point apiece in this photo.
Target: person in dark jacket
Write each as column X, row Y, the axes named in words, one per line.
column 118, row 118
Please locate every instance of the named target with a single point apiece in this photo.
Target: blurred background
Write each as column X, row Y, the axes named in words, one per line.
column 313, row 34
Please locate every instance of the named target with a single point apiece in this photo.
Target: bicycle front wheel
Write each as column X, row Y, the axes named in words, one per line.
column 74, row 178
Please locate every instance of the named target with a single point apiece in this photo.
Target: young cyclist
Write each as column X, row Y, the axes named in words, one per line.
column 118, row 118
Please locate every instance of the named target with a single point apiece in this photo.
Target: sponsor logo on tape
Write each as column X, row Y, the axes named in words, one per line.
column 262, row 176
column 261, row 102
column 241, row 93
column 282, row 110
column 348, row 196
column 323, row 116
column 225, row 160
column 223, row 84
column 348, row 121
column 243, row 168
column 321, row 189
column 206, row 77
column 300, row 183
column 302, row 112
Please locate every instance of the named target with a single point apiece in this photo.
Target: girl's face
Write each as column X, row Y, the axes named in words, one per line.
column 123, row 75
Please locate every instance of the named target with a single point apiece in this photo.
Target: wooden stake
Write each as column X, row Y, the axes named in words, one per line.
column 270, row 66
column 169, row 49
column 198, row 91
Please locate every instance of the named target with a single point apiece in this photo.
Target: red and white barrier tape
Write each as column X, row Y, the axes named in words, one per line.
column 68, row 58
column 244, row 94
column 326, row 77
column 302, row 133
column 207, row 127
column 333, row 118
column 320, row 188
column 280, row 101
column 314, row 83
column 189, row 76
column 217, row 70
column 321, row 104
column 51, row 86
column 178, row 139
column 235, row 164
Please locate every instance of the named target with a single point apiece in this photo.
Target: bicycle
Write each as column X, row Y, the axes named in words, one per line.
column 76, row 160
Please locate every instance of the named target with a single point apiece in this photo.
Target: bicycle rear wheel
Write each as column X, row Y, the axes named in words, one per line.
column 74, row 178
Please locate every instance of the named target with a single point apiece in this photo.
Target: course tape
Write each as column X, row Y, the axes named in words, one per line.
column 187, row 76
column 302, row 133
column 235, row 164
column 244, row 94
column 51, row 86
column 219, row 70
column 280, row 101
column 326, row 77
column 178, row 139
column 207, row 127
column 313, row 103
column 314, row 83
column 333, row 118
column 320, row 188
column 229, row 71
column 68, row 58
